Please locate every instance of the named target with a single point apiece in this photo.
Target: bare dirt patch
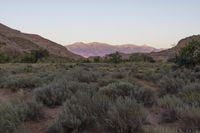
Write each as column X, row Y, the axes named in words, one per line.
column 6, row 95
column 41, row 126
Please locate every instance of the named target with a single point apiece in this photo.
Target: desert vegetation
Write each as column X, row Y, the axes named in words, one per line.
column 34, row 56
column 141, row 96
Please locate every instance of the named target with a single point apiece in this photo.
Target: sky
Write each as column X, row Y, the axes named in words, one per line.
column 158, row 23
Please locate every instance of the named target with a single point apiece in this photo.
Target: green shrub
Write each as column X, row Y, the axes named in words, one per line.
column 124, row 116
column 28, row 58
column 189, row 56
column 34, row 56
column 97, row 59
column 4, row 58
column 138, row 57
column 40, row 54
column 114, row 57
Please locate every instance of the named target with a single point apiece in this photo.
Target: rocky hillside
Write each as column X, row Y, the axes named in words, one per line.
column 170, row 53
column 102, row 49
column 15, row 43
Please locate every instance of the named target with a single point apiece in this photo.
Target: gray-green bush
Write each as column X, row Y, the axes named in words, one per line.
column 126, row 89
column 15, row 112
column 20, row 82
column 58, row 91
column 11, row 117
column 80, row 113
column 124, row 116
column 174, row 107
column 85, row 76
column 84, row 111
column 171, row 85
column 191, row 94
column 53, row 94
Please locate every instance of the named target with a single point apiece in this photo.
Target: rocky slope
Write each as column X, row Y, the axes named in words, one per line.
column 15, row 43
column 102, row 49
column 172, row 52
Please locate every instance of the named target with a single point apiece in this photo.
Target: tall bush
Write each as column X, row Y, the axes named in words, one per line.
column 189, row 56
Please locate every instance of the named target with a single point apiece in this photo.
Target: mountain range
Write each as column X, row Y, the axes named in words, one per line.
column 102, row 49
column 14, row 43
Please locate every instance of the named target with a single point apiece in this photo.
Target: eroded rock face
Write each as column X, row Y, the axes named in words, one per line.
column 182, row 43
column 13, row 41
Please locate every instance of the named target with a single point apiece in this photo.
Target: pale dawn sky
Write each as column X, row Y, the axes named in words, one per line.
column 158, row 23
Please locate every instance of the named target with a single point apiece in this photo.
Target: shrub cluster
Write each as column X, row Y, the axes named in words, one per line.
column 138, row 57
column 97, row 59
column 124, row 116
column 79, row 113
column 10, row 117
column 85, row 76
column 124, row 89
column 4, row 58
column 84, row 111
column 34, row 56
column 176, row 109
column 53, row 94
column 57, row 92
column 171, row 85
column 190, row 94
column 114, row 58
column 17, row 111
column 20, row 82
column 189, row 56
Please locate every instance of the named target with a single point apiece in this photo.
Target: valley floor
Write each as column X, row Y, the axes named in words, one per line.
column 97, row 98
